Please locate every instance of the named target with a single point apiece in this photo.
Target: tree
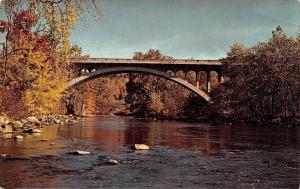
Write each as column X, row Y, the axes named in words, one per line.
column 263, row 81
column 195, row 109
column 29, row 66
column 72, row 96
column 143, row 91
column 37, row 49
column 101, row 96
column 151, row 96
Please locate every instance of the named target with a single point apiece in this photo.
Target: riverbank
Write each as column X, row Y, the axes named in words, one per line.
column 278, row 121
column 217, row 120
column 32, row 123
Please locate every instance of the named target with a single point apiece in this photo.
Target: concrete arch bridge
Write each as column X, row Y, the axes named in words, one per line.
column 92, row 68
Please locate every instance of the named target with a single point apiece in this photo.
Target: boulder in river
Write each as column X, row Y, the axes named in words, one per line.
column 56, row 121
column 6, row 129
column 19, row 138
column 276, row 120
column 3, row 155
column 4, row 120
column 7, row 135
column 34, row 120
column 141, row 147
column 17, row 124
column 112, row 162
column 23, row 121
column 79, row 152
column 35, row 131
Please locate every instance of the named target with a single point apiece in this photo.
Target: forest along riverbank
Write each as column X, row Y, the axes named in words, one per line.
column 181, row 155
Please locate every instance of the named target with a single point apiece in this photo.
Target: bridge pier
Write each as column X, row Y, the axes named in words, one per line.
column 220, row 78
column 198, row 79
column 208, row 81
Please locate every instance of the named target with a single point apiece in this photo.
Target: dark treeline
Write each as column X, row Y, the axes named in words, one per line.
column 263, row 82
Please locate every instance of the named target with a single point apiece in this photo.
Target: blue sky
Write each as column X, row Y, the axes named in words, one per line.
column 203, row 29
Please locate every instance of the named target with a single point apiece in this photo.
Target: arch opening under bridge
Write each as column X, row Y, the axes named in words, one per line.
column 130, row 69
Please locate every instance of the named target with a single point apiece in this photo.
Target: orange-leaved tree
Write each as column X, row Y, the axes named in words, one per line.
column 37, row 50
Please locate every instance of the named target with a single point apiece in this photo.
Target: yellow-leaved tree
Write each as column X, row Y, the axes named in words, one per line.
column 37, row 50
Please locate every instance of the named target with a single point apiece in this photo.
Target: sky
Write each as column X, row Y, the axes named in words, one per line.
column 202, row 29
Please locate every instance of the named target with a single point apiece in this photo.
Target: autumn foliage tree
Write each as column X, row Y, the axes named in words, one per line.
column 152, row 96
column 37, row 51
column 28, row 64
column 263, row 82
column 101, row 96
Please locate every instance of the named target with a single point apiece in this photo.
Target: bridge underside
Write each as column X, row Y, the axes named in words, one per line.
column 88, row 73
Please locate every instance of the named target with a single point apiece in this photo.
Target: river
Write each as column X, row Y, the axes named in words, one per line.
column 182, row 155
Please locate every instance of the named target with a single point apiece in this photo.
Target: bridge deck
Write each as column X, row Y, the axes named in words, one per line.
column 133, row 61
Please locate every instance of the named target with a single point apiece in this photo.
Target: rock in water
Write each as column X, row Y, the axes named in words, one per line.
column 56, row 121
column 36, row 131
column 4, row 120
column 19, row 138
column 6, row 129
column 79, row 152
column 8, row 136
column 3, row 155
column 276, row 120
column 141, row 147
column 23, row 121
column 17, row 124
column 36, row 134
column 33, row 120
column 112, row 162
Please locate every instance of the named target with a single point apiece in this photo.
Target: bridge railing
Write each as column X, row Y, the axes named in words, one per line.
column 149, row 61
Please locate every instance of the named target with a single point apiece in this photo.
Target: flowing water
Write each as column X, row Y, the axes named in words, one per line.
column 182, row 155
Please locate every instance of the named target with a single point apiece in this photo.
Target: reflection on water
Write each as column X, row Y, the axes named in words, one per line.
column 110, row 134
column 115, row 135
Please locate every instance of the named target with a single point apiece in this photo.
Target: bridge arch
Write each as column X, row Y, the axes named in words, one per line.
column 90, row 76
